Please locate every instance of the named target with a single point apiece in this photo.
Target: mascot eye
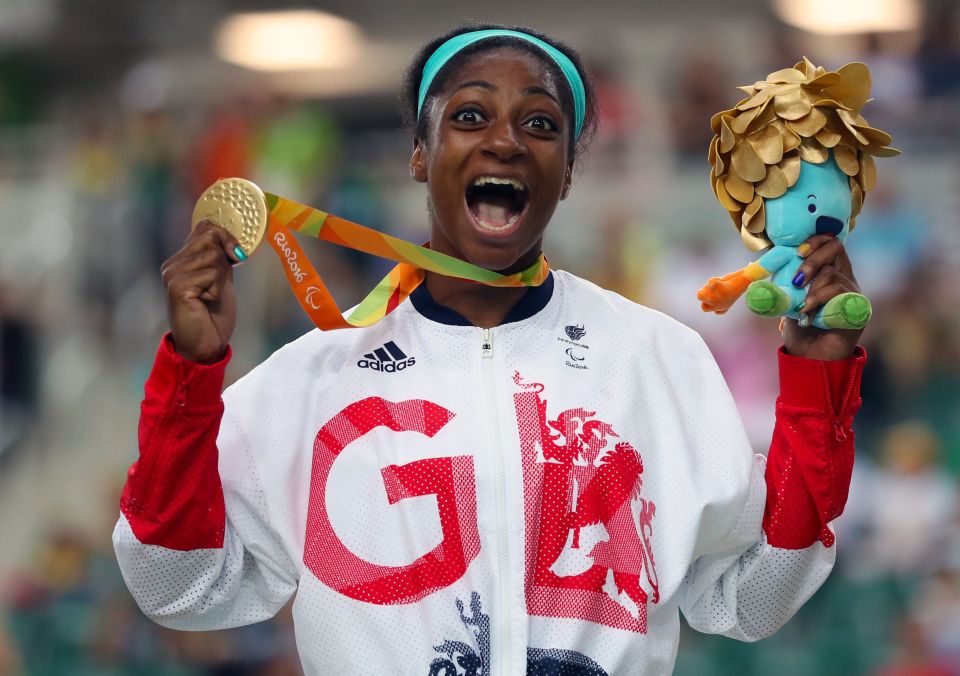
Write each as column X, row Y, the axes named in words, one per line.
column 812, row 208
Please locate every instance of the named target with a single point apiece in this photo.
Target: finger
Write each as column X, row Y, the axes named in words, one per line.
column 825, row 254
column 205, row 258
column 814, row 243
column 831, row 273
column 823, row 273
column 820, row 296
column 204, row 238
column 205, row 284
column 828, row 276
column 209, row 234
column 190, row 249
column 843, row 264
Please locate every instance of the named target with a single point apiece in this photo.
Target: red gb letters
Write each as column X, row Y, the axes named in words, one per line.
column 450, row 479
column 587, row 556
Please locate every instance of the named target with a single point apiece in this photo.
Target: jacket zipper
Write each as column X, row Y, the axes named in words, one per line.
column 490, row 395
column 838, row 432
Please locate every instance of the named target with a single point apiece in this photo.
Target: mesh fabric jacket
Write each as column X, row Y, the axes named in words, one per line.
column 543, row 497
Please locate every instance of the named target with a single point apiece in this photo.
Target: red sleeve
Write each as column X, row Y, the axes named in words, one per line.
column 173, row 497
column 811, row 453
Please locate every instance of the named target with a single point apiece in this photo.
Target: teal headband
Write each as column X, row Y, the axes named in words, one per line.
column 448, row 49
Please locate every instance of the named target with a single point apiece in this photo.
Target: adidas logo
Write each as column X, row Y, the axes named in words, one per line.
column 388, row 359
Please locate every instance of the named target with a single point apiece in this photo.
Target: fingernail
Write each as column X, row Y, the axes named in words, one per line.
column 239, row 253
column 799, row 279
column 803, row 249
column 804, row 320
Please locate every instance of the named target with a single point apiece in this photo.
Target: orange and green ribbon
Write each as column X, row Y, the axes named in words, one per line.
column 286, row 217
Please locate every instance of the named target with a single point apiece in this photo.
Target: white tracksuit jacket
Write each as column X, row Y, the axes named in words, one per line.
column 542, row 497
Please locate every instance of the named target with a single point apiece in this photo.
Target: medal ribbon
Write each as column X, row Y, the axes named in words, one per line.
column 284, row 217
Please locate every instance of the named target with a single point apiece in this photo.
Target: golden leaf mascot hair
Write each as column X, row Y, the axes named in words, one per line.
column 799, row 113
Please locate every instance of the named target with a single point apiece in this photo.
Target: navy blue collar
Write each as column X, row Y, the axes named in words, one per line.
column 534, row 300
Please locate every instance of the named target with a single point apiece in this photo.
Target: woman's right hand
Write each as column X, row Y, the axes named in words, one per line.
column 201, row 301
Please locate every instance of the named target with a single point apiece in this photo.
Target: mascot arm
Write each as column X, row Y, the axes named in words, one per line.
column 720, row 293
column 776, row 258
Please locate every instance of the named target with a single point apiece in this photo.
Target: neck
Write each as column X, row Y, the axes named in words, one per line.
column 482, row 305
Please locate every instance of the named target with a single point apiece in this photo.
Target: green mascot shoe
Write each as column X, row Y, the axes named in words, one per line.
column 847, row 311
column 767, row 299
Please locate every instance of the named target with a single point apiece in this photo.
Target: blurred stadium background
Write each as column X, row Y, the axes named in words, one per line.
column 114, row 115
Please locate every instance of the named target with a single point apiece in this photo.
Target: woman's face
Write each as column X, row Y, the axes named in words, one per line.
column 495, row 160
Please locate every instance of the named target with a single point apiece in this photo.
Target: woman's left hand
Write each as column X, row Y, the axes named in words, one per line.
column 828, row 268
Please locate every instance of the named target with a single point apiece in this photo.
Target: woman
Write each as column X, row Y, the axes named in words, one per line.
column 553, row 473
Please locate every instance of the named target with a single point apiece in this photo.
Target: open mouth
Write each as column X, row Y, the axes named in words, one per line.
column 495, row 203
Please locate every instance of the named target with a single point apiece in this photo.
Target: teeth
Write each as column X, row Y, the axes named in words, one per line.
column 496, row 228
column 496, row 180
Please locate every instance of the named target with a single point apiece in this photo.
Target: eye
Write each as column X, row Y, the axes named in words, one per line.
column 468, row 115
column 812, row 208
column 541, row 123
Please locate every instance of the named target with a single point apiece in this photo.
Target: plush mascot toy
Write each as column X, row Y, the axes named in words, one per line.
column 793, row 159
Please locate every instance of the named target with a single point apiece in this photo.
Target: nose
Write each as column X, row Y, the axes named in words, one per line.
column 503, row 142
column 828, row 225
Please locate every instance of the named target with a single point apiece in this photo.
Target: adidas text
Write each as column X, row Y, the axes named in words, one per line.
column 386, row 367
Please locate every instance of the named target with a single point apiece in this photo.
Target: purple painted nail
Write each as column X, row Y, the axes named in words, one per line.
column 799, row 279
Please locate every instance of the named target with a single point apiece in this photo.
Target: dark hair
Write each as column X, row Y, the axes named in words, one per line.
column 414, row 73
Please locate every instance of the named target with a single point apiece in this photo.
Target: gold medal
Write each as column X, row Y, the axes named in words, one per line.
column 236, row 205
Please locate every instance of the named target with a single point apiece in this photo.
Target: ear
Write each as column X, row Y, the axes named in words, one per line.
column 567, row 181
column 418, row 168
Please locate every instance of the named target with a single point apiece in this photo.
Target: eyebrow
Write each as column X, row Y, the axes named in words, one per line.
column 541, row 90
column 483, row 84
column 477, row 83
